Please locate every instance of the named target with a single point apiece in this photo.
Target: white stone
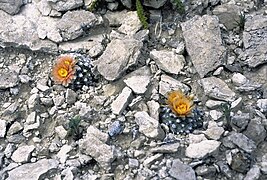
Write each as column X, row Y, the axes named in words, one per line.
column 262, row 104
column 196, row 138
column 62, row 155
column 168, row 61
column 168, row 83
column 239, row 79
column 138, row 83
column 148, row 126
column 2, row 128
column 22, row 154
column 33, row 101
column 130, row 24
column 31, row 118
column 215, row 115
column 62, row 133
column 121, row 102
column 214, row 131
column 202, row 149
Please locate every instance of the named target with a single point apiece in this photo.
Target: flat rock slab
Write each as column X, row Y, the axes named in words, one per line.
column 32, row 171
column 22, row 154
column 168, row 61
column 204, row 43
column 255, row 40
column 181, row 171
column 242, row 142
column 217, row 89
column 122, row 101
column 118, row 56
column 202, row 149
column 168, row 84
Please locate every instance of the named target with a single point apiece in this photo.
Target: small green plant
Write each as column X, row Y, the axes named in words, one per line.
column 241, row 21
column 75, row 130
column 180, row 6
column 141, row 14
column 92, row 7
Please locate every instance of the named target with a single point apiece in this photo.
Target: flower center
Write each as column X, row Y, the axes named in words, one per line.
column 62, row 72
column 181, row 108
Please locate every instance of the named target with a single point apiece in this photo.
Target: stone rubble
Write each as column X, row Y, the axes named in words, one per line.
column 113, row 128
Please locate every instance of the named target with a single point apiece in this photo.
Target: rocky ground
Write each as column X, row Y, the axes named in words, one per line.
column 111, row 129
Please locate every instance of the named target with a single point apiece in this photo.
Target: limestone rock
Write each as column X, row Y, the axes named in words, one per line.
column 218, row 89
column 203, row 43
column 31, row 171
column 255, row 39
column 168, row 61
column 20, row 30
column 138, row 80
column 11, row 6
column 214, row 131
column 166, row 148
column 121, row 102
column 202, row 149
column 181, row 171
column 148, row 126
column 73, row 23
column 253, row 174
column 242, row 142
column 228, row 15
column 63, row 5
column 22, row 154
column 262, row 104
column 130, row 24
column 3, row 125
column 97, row 148
column 256, row 130
column 168, row 83
column 62, row 155
column 8, row 79
column 118, row 56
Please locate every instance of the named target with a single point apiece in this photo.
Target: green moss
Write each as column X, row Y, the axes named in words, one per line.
column 180, row 6
column 75, row 131
column 141, row 14
column 92, row 7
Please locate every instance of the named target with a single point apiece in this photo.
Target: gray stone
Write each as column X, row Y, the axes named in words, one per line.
column 168, row 61
column 240, row 121
column 203, row 43
column 20, row 30
column 218, row 89
column 22, row 154
column 130, row 24
column 115, row 18
column 8, row 79
column 11, row 6
column 240, row 162
column 166, row 148
column 65, row 5
column 262, row 104
column 73, row 23
column 91, row 45
column 168, row 83
column 228, row 14
column 213, row 104
column 71, row 96
column 215, row 115
column 206, row 171
column 31, row 171
column 152, row 159
column 239, row 79
column 242, row 142
column 138, row 80
column 14, row 128
column 214, row 131
column 3, row 125
column 24, row 78
column 62, row 155
column 133, row 163
column 44, row 7
column 255, row 130
column 118, row 56
column 154, row 3
column 181, row 171
column 202, row 149
column 153, row 108
column 253, row 174
column 127, row 3
column 255, row 39
column 94, row 146
column 121, row 102
column 61, row 132
column 148, row 126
